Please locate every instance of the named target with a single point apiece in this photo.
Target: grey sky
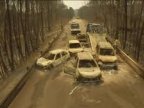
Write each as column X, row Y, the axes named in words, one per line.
column 75, row 4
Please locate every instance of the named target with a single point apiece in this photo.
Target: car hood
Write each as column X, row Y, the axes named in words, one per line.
column 75, row 50
column 89, row 72
column 82, row 39
column 44, row 62
column 108, row 58
column 87, row 49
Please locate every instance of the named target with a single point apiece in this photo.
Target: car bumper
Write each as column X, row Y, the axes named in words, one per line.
column 108, row 66
column 44, row 67
column 88, row 79
column 75, row 32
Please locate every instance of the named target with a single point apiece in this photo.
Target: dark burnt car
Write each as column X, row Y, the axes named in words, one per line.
column 82, row 37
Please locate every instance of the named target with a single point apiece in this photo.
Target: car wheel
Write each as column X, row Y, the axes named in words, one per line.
column 99, row 77
column 79, row 79
column 68, row 58
column 71, row 54
column 50, row 66
column 101, row 67
column 116, row 67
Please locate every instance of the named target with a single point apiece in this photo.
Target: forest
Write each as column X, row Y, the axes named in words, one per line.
column 123, row 19
column 23, row 27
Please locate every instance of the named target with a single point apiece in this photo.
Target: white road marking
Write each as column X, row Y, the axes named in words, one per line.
column 73, row 89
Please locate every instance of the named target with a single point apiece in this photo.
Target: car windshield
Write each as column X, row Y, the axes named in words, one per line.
column 87, row 63
column 74, row 45
column 106, row 52
column 51, row 56
column 75, row 26
column 81, row 37
column 87, row 45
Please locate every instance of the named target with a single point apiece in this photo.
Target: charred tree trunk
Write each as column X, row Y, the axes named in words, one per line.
column 10, row 35
column 125, row 25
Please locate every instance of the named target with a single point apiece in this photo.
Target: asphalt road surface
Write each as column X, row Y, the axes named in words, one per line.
column 56, row 89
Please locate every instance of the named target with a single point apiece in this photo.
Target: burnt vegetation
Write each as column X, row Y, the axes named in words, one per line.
column 23, row 27
column 123, row 19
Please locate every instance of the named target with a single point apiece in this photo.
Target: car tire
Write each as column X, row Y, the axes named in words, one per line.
column 70, row 54
column 78, row 79
column 50, row 67
column 99, row 77
column 101, row 67
column 116, row 67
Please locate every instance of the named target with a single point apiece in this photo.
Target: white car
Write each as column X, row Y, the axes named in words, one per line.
column 83, row 38
column 75, row 46
column 87, row 68
column 75, row 28
column 54, row 58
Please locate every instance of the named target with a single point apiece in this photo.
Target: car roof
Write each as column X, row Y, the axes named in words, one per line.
column 84, row 55
column 81, row 34
column 96, row 24
column 74, row 41
column 93, row 24
column 74, row 23
column 105, row 45
column 57, row 51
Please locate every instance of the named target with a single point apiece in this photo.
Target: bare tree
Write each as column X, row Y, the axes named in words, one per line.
column 22, row 28
column 123, row 19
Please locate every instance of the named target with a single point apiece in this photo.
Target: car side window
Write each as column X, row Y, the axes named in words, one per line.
column 64, row 53
column 58, row 56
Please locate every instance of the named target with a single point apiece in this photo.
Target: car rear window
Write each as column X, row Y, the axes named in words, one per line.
column 75, row 26
column 64, row 53
column 51, row 56
column 58, row 56
column 106, row 52
column 74, row 45
column 87, row 63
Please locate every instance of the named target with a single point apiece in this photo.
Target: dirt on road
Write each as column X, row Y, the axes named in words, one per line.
column 56, row 89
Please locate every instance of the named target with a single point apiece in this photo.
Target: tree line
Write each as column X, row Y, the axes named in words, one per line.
column 123, row 19
column 23, row 26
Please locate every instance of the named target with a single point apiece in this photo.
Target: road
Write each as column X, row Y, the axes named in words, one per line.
column 55, row 89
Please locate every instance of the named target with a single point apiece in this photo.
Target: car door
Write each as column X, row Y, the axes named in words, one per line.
column 57, row 60
column 64, row 56
column 69, row 67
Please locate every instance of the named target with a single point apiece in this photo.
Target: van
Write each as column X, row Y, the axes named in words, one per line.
column 75, row 28
column 106, row 56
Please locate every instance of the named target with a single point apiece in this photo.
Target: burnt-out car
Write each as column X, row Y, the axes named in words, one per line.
column 75, row 28
column 54, row 58
column 83, row 38
column 87, row 68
